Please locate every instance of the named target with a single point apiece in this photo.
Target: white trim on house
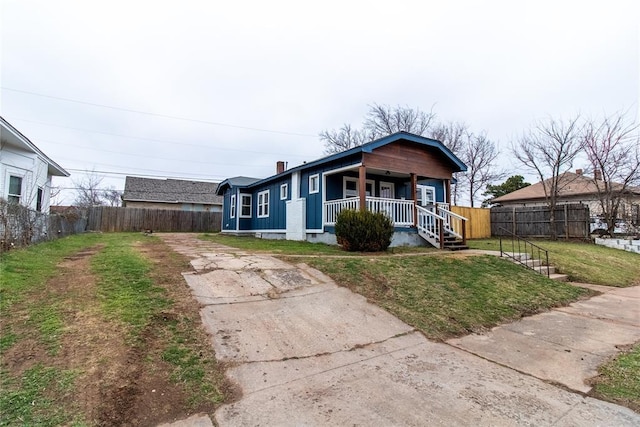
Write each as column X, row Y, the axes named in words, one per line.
column 315, row 177
column 284, row 191
column 295, row 185
column 355, row 193
column 241, row 213
column 262, row 205
column 233, row 205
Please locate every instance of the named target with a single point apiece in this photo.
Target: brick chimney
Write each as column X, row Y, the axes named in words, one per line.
column 578, row 171
column 279, row 167
column 597, row 174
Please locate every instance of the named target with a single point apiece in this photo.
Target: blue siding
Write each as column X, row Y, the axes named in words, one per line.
column 277, row 219
column 228, row 223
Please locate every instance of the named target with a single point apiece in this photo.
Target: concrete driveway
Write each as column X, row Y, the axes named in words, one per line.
column 305, row 352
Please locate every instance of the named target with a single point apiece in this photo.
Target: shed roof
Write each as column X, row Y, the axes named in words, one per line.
column 170, row 191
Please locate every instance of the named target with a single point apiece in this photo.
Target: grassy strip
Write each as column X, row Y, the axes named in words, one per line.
column 584, row 262
column 31, row 400
column 25, row 270
column 619, row 380
column 289, row 247
column 446, row 296
column 125, row 290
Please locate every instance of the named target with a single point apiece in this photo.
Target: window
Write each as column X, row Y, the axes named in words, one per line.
column 232, row 206
column 245, row 208
column 39, row 200
column 351, row 186
column 15, row 189
column 314, row 184
column 284, row 191
column 263, row 204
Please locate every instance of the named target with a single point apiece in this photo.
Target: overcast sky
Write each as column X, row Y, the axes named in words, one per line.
column 207, row 90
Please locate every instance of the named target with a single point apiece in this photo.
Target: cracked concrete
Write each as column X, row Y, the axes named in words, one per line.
column 308, row 352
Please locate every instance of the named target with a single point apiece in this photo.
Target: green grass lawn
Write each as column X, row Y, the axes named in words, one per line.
column 619, row 380
column 448, row 295
column 583, row 262
column 139, row 308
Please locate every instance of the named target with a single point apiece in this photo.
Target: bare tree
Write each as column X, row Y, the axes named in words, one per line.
column 381, row 120
column 548, row 149
column 452, row 134
column 384, row 120
column 343, row 139
column 88, row 192
column 479, row 154
column 112, row 197
column 613, row 149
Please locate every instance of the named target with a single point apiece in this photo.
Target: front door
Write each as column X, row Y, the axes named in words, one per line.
column 426, row 196
column 387, row 190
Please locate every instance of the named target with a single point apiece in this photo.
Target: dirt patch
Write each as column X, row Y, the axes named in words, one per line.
column 119, row 382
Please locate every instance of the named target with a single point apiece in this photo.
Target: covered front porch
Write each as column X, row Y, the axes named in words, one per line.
column 412, row 201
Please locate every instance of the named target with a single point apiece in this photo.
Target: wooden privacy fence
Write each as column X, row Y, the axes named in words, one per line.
column 478, row 225
column 110, row 219
column 572, row 221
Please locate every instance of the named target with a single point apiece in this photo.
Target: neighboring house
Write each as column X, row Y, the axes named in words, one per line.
column 175, row 194
column 573, row 188
column 406, row 176
column 25, row 171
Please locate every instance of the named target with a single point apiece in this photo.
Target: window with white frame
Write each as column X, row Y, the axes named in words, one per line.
column 15, row 189
column 263, row 204
column 284, row 191
column 352, row 186
column 245, row 206
column 314, row 183
column 232, row 206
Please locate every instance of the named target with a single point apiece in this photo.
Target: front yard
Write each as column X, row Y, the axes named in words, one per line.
column 101, row 329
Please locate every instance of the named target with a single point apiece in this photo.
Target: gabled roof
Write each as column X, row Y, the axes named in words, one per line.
column 237, row 181
column 11, row 136
column 569, row 184
column 457, row 164
column 170, row 191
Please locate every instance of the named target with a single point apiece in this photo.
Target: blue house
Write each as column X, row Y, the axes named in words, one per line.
column 406, row 176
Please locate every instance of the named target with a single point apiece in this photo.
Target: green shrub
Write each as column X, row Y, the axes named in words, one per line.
column 363, row 230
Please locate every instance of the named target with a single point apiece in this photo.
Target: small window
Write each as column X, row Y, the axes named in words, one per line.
column 15, row 189
column 314, row 184
column 232, row 206
column 39, row 200
column 284, row 191
column 263, row 204
column 245, row 208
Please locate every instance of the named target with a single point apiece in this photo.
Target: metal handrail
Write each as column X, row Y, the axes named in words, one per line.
column 523, row 242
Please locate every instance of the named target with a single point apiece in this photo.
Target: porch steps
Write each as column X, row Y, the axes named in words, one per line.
column 537, row 266
column 452, row 243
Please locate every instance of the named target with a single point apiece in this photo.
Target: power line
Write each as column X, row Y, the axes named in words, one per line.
column 145, row 156
column 125, row 174
column 167, row 116
column 146, row 139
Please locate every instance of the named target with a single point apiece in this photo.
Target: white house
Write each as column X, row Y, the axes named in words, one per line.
column 25, row 171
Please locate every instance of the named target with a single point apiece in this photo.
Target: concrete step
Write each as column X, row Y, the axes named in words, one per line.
column 537, row 266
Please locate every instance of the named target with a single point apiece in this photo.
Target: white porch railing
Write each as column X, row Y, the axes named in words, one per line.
column 430, row 226
column 453, row 223
column 400, row 211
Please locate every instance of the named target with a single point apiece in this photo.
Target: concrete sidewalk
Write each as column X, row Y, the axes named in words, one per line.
column 307, row 352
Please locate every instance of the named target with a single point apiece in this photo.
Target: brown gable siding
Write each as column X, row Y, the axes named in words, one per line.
column 408, row 158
